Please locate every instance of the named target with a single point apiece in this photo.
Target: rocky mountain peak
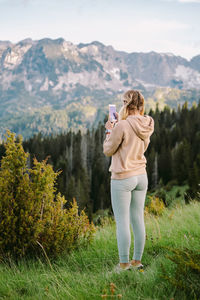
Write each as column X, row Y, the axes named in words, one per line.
column 56, row 73
column 92, row 64
column 195, row 62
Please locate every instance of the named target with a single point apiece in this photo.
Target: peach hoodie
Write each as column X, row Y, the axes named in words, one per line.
column 127, row 143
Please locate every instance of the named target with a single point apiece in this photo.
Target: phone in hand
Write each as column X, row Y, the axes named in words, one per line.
column 112, row 113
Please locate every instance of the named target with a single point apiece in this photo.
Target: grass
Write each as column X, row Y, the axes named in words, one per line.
column 86, row 273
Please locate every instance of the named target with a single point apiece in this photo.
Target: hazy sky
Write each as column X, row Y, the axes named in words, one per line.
column 128, row 25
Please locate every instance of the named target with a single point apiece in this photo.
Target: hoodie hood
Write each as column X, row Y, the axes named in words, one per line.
column 143, row 126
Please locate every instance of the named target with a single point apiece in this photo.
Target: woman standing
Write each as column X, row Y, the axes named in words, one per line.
column 126, row 141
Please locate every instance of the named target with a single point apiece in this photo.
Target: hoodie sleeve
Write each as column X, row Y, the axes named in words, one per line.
column 113, row 140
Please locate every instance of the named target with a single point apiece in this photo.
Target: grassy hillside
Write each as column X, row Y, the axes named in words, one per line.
column 87, row 273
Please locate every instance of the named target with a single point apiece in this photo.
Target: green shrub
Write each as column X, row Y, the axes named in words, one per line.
column 187, row 273
column 32, row 216
column 178, row 194
column 170, row 184
column 155, row 206
column 162, row 194
column 102, row 217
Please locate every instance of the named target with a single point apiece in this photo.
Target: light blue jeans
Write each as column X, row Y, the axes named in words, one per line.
column 128, row 199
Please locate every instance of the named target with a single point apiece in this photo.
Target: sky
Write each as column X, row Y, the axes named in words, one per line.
column 164, row 26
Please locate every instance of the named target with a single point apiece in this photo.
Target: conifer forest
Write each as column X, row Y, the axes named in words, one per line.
column 173, row 157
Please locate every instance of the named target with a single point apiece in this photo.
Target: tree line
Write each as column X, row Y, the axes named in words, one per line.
column 173, row 156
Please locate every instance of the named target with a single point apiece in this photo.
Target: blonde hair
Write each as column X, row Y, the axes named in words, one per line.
column 135, row 101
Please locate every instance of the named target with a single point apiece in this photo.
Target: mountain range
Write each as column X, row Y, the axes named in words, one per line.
column 51, row 85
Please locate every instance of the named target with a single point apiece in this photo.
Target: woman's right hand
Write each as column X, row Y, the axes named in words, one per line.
column 109, row 125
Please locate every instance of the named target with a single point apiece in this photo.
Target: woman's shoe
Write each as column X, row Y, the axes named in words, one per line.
column 118, row 269
column 137, row 266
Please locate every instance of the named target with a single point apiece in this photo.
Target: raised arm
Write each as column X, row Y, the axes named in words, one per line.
column 113, row 140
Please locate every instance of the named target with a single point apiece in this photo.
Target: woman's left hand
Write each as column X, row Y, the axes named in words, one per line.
column 117, row 116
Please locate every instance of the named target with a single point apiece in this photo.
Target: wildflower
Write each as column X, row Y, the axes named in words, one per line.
column 141, row 270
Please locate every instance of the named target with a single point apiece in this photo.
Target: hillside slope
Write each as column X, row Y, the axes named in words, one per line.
column 87, row 274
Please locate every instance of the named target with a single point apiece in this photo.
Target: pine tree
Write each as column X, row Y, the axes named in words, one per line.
column 32, row 214
column 165, row 164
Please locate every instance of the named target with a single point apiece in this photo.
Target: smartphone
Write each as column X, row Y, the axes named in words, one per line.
column 112, row 111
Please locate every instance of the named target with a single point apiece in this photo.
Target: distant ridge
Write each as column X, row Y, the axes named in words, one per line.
column 42, row 79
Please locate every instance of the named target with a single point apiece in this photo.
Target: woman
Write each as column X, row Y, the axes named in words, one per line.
column 126, row 141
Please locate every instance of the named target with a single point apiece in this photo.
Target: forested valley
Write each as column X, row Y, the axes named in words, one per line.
column 173, row 157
